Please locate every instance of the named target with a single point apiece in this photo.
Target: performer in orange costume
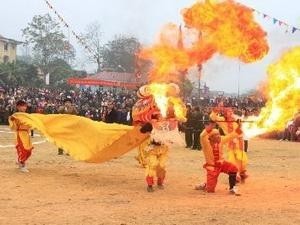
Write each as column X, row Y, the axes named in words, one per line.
column 235, row 147
column 23, row 145
column 212, row 143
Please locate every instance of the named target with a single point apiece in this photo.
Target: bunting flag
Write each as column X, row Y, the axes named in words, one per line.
column 294, row 29
column 288, row 28
column 79, row 39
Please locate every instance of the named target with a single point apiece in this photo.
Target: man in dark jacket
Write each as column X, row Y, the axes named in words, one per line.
column 188, row 127
column 197, row 125
column 112, row 114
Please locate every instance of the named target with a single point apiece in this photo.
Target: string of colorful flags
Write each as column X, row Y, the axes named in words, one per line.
column 288, row 27
column 79, row 39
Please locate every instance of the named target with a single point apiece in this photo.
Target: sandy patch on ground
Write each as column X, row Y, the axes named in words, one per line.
column 59, row 190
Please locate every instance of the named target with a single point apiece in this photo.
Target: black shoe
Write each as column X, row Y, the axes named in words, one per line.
column 60, row 152
column 150, row 189
column 160, row 186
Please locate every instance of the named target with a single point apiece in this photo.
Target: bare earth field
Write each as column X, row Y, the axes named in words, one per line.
column 59, row 190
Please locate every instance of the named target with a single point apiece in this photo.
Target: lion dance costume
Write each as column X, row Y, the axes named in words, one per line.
column 142, row 112
column 153, row 153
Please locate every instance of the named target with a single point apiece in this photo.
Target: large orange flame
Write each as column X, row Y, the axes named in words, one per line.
column 226, row 27
column 283, row 88
column 230, row 28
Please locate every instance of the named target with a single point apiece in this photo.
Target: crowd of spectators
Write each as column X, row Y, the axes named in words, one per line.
column 101, row 104
column 292, row 129
column 113, row 105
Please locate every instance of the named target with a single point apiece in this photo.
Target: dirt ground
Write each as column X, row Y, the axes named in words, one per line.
column 59, row 190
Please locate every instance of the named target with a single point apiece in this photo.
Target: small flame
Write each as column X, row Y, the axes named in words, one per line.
column 179, row 108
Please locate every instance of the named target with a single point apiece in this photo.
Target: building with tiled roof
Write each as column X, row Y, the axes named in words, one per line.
column 8, row 49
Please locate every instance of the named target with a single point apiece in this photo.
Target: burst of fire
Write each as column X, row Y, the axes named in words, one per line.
column 283, row 88
column 223, row 27
column 230, row 28
column 165, row 95
column 159, row 92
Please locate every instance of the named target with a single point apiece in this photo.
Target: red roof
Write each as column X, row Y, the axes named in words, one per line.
column 115, row 76
column 116, row 79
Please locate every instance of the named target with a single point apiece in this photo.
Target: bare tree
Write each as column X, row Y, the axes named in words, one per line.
column 92, row 37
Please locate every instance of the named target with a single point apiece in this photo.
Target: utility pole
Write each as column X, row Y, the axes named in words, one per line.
column 238, row 91
column 199, row 81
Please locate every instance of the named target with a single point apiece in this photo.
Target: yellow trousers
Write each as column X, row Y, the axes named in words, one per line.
column 239, row 158
column 156, row 163
column 142, row 153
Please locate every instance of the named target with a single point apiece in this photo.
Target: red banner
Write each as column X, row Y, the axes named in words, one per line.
column 102, row 83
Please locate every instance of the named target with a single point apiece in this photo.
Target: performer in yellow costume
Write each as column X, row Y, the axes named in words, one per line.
column 235, row 148
column 156, row 158
column 164, row 135
column 23, row 140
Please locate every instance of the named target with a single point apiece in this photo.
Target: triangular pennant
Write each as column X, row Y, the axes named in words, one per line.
column 294, row 29
column 275, row 20
column 280, row 22
column 265, row 15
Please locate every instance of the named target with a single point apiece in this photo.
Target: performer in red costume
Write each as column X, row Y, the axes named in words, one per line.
column 212, row 142
column 23, row 140
column 228, row 122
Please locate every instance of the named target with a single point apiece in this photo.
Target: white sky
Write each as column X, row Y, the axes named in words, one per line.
column 144, row 18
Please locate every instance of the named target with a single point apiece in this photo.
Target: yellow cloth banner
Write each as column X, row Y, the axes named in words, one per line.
column 83, row 138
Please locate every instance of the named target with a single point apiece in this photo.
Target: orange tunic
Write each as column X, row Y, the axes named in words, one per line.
column 22, row 133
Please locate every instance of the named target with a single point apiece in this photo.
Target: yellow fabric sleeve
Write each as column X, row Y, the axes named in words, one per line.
column 83, row 138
